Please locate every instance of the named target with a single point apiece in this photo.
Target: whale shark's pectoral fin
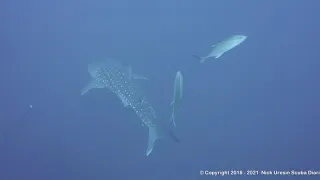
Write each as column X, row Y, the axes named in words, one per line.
column 123, row 100
column 92, row 85
column 128, row 70
column 153, row 136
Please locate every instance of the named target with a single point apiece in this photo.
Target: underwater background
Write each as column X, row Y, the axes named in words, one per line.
column 254, row 108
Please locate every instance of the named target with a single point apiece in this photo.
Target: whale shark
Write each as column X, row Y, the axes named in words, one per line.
column 93, row 68
column 226, row 45
column 114, row 76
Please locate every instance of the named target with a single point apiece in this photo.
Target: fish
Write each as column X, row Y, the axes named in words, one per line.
column 222, row 47
column 114, row 76
column 177, row 95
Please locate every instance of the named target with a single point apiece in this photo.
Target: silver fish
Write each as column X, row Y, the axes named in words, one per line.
column 177, row 95
column 226, row 45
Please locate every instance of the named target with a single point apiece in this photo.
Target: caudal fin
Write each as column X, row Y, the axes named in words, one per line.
column 153, row 136
column 202, row 59
column 173, row 115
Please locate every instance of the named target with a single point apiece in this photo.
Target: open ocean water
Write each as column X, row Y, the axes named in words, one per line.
column 251, row 113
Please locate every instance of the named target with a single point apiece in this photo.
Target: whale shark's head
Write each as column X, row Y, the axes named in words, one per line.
column 96, row 68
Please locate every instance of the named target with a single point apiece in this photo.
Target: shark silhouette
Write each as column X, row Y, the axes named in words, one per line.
column 114, row 76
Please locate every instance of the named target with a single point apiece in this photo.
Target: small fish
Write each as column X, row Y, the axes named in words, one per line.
column 226, row 45
column 177, row 95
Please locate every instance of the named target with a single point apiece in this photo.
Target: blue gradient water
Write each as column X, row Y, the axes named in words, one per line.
column 256, row 107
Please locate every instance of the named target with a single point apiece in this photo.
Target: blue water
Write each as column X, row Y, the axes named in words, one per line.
column 254, row 108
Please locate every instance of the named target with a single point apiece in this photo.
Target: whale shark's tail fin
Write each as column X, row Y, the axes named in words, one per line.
column 153, row 136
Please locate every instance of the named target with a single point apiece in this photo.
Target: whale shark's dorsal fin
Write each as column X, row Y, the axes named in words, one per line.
column 131, row 75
